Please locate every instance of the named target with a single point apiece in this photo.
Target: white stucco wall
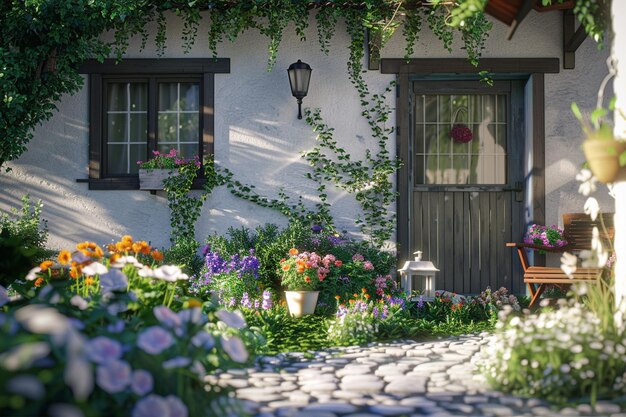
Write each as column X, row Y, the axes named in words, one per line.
column 258, row 137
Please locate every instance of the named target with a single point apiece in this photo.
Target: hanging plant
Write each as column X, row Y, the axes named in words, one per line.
column 460, row 132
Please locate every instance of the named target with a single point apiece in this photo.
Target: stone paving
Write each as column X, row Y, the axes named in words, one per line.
column 405, row 378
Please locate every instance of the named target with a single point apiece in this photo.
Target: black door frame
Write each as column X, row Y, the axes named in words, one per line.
column 532, row 69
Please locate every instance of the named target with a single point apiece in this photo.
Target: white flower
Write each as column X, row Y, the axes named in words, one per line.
column 79, row 377
column 592, row 208
column 146, row 272
column 38, row 318
column 170, row 273
column 114, row 280
column 113, row 376
column 233, row 319
column 28, row 386
column 32, row 274
column 24, row 355
column 568, row 263
column 235, row 348
column 122, row 261
column 588, row 182
column 95, row 268
column 80, row 302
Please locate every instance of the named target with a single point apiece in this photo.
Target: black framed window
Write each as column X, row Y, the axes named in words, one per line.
column 138, row 106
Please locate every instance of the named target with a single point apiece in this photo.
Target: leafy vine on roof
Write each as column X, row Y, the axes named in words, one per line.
column 45, row 41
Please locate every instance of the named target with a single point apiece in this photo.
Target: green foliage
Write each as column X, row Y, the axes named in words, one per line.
column 370, row 180
column 284, row 333
column 594, row 15
column 184, row 253
column 44, row 42
column 23, row 237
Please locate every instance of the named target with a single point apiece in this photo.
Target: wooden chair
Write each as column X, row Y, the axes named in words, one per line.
column 578, row 228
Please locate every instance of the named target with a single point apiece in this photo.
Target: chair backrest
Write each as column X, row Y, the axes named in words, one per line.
column 578, row 228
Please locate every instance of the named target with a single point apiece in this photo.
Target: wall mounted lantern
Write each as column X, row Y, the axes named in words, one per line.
column 299, row 77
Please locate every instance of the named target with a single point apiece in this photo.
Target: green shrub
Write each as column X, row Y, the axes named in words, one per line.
column 184, row 253
column 23, row 236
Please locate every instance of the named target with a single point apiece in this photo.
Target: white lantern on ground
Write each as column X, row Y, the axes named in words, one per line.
column 422, row 273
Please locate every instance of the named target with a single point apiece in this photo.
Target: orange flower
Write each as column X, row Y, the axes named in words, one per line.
column 157, row 255
column 127, row 239
column 363, row 290
column 145, row 248
column 338, row 263
column 300, row 270
column 75, row 272
column 65, row 257
column 97, row 252
column 114, row 257
column 307, row 279
column 45, row 265
column 286, row 267
column 136, row 247
column 337, row 298
column 367, row 296
column 293, row 251
column 111, row 247
column 355, row 295
column 38, row 282
column 89, row 281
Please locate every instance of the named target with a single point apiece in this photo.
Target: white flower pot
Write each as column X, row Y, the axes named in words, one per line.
column 301, row 303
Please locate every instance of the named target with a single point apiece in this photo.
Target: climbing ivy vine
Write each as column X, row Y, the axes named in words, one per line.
column 45, row 41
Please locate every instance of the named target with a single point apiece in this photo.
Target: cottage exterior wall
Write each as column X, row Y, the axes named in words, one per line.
column 258, row 137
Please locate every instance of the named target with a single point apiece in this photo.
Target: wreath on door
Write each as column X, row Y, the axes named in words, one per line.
column 460, row 132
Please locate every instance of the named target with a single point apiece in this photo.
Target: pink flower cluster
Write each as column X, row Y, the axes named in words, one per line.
column 551, row 237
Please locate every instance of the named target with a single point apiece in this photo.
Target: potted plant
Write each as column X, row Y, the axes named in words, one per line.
column 161, row 166
column 301, row 275
column 605, row 155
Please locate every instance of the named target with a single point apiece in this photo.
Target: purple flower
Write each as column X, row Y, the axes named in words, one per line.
column 113, row 376
column 142, row 382
column 176, row 406
column 357, row 257
column 267, row 300
column 235, row 348
column 151, row 406
column 4, row 296
column 166, row 317
column 154, row 340
column 177, row 362
column 102, row 349
column 116, row 327
column 245, row 301
column 203, row 339
column 420, row 302
column 114, row 280
column 316, row 228
column 231, row 319
column 27, row 386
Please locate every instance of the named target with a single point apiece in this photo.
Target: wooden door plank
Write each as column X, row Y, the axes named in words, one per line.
column 436, row 223
column 458, row 238
column 417, row 232
column 494, row 274
column 475, row 242
column 466, row 244
column 485, row 237
column 506, row 237
column 447, row 244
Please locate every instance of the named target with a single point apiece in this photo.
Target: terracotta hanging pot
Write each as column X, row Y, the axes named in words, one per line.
column 603, row 158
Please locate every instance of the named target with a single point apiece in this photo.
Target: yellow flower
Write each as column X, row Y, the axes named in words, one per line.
column 89, row 281
column 75, row 272
column 65, row 257
column 194, row 302
column 293, row 251
column 367, row 296
column 136, row 247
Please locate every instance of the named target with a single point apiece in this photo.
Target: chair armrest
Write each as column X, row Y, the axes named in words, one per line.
column 532, row 246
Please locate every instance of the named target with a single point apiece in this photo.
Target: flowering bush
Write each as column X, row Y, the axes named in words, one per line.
column 561, row 355
column 492, row 302
column 228, row 279
column 62, row 359
column 170, row 160
column 304, row 271
column 551, row 237
column 358, row 321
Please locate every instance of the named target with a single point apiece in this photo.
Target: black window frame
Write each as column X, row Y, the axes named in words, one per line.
column 152, row 70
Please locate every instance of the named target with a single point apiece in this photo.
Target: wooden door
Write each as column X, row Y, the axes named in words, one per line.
column 466, row 175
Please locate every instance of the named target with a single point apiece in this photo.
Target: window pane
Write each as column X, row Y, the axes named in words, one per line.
column 189, row 127
column 117, row 162
column 167, row 131
column 137, row 153
column 139, row 127
column 189, row 96
column 168, row 96
column 117, row 97
column 481, row 160
column 139, row 96
column 189, row 150
column 117, row 127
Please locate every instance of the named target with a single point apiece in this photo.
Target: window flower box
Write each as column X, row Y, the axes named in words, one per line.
column 152, row 179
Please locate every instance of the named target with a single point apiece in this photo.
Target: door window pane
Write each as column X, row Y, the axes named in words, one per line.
column 178, row 118
column 460, row 139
